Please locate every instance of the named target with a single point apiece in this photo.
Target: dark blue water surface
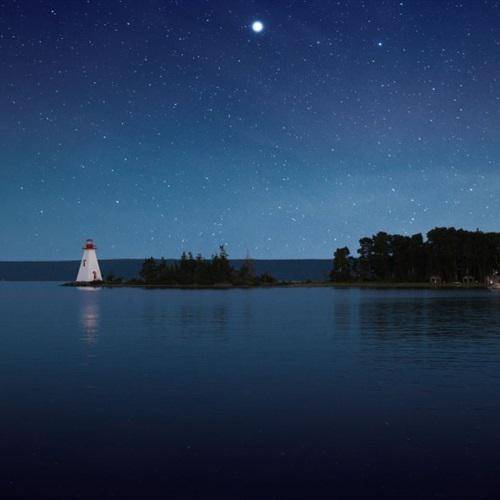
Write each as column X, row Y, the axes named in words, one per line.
column 279, row 393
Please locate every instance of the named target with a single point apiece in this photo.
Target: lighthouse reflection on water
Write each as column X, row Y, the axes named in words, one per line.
column 89, row 313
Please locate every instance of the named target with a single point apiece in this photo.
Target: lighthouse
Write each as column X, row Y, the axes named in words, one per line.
column 89, row 267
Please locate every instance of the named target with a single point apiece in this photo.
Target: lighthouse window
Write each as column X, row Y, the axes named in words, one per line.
column 84, row 262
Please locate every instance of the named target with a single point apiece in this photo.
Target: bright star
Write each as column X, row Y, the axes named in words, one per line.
column 257, row 26
column 380, row 44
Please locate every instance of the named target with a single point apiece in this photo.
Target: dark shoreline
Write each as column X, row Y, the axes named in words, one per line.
column 302, row 284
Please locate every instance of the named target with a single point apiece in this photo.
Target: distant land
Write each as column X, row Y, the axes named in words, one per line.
column 66, row 270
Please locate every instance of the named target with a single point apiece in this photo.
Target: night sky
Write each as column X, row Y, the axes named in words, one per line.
column 156, row 126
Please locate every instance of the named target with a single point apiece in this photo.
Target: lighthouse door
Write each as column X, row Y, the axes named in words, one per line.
column 95, row 275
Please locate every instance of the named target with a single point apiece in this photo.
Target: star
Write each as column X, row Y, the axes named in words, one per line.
column 257, row 26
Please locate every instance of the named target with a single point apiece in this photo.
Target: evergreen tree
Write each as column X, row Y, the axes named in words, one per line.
column 149, row 270
column 365, row 259
column 341, row 265
column 381, row 256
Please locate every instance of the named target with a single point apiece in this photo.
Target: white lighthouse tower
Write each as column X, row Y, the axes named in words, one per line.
column 89, row 267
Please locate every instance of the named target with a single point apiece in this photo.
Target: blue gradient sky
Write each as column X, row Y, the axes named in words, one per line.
column 159, row 126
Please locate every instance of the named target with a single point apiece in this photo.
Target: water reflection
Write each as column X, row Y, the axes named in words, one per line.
column 160, row 315
column 467, row 317
column 346, row 312
column 198, row 317
column 396, row 386
column 89, row 314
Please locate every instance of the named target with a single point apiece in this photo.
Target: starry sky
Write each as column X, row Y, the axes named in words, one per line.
column 160, row 126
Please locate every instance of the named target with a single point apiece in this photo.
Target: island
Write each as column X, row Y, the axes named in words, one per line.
column 191, row 272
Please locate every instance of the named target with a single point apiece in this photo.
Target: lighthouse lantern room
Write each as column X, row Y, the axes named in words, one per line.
column 89, row 267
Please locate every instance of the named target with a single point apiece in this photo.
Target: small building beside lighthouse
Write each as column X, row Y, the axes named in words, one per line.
column 89, row 266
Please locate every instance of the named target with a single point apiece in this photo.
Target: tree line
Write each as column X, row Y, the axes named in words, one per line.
column 447, row 253
column 190, row 270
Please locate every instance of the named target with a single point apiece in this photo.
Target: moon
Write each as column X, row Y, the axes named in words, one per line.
column 257, row 26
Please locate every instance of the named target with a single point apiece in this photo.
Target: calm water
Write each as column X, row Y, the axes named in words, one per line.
column 293, row 393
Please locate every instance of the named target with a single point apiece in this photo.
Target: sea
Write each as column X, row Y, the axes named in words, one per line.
column 280, row 393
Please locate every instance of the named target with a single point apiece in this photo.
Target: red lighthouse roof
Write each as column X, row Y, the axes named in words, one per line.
column 89, row 245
